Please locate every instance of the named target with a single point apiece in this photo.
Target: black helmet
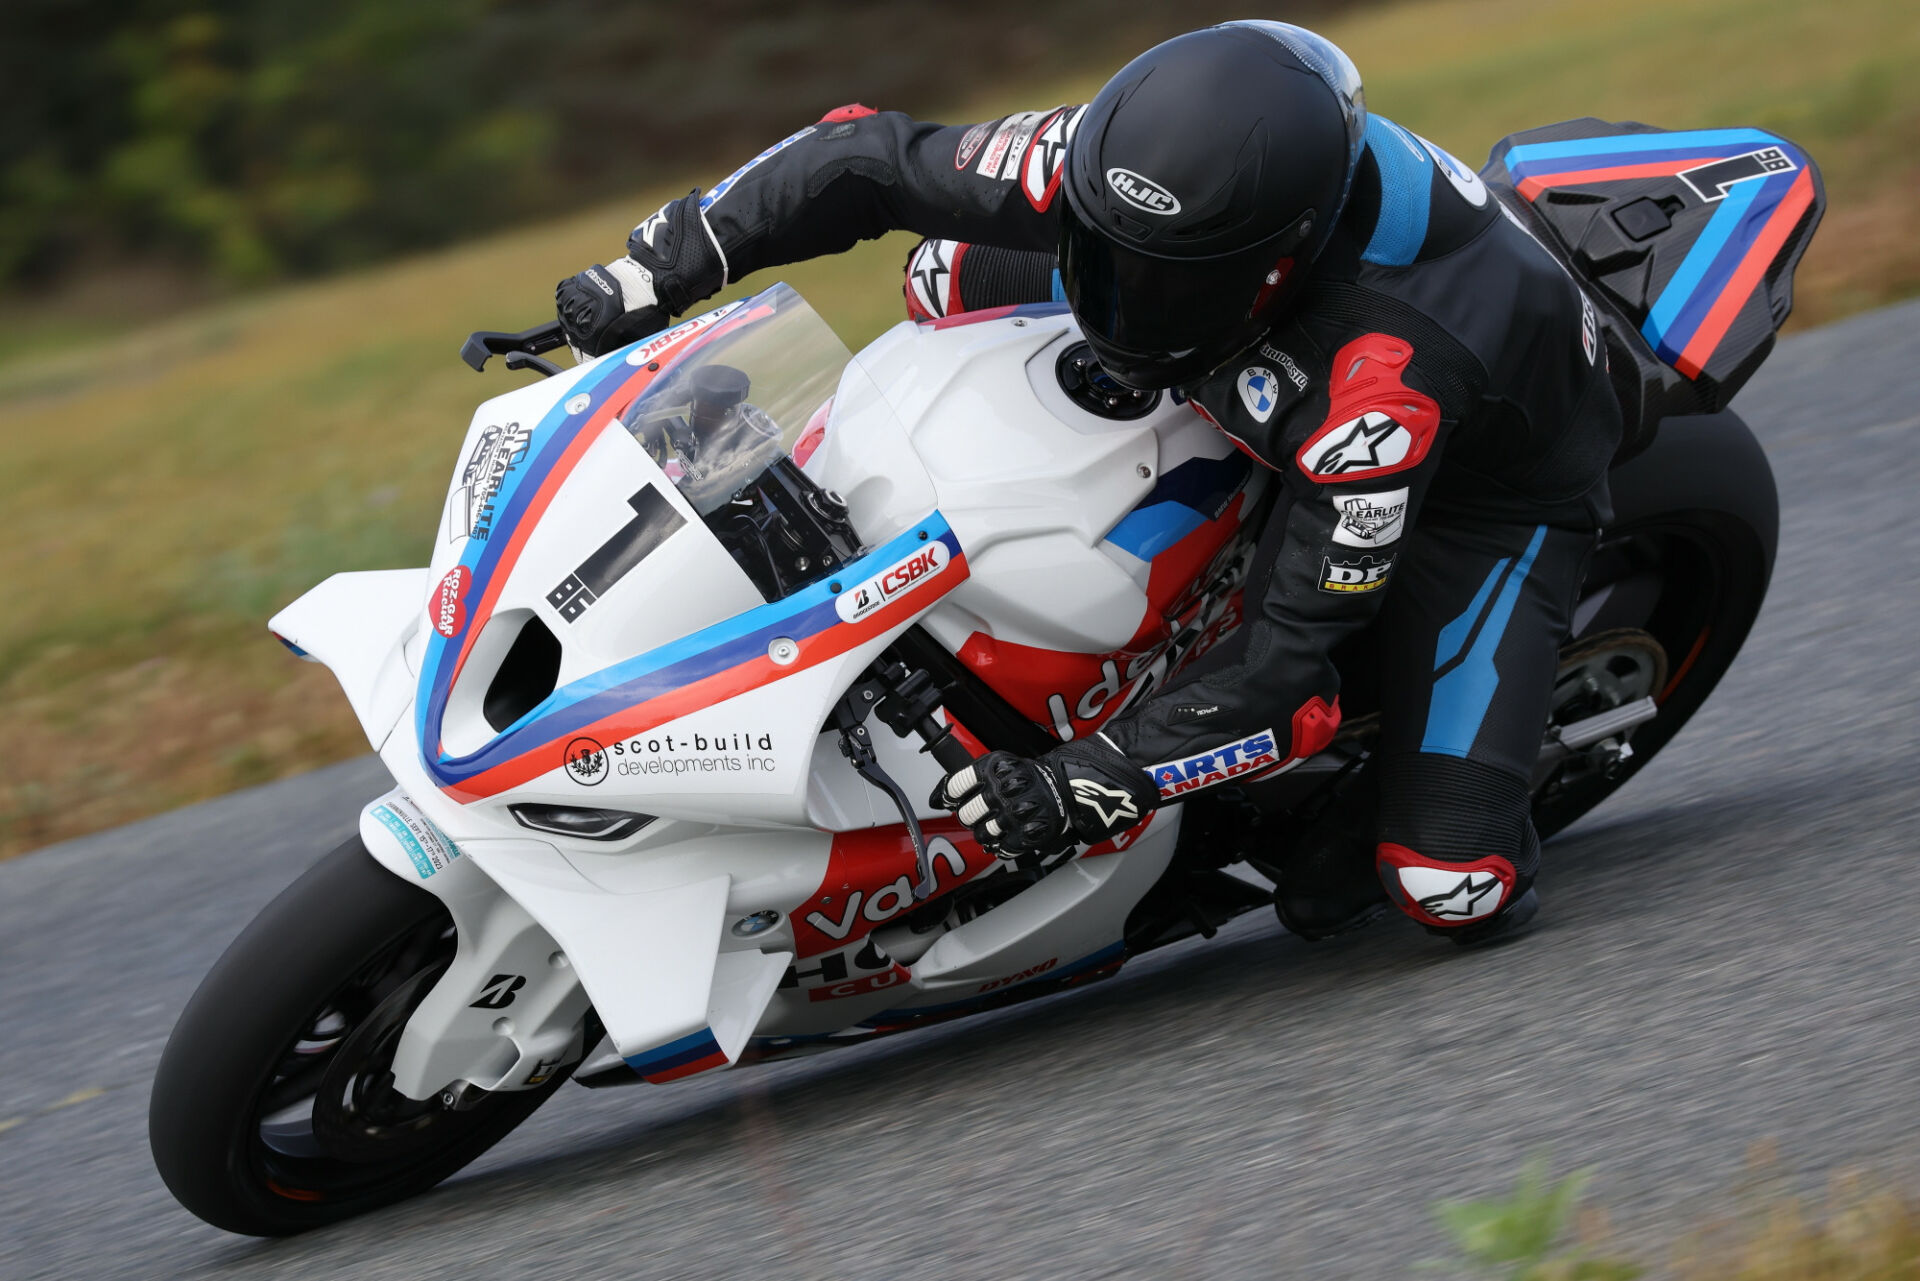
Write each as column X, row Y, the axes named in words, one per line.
column 1201, row 183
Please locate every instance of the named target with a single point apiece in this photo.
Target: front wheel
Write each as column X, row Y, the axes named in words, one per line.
column 273, row 1109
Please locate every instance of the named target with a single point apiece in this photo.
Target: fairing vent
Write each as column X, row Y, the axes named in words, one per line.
column 526, row 675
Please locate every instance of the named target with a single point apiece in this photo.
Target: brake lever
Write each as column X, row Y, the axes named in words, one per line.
column 856, row 744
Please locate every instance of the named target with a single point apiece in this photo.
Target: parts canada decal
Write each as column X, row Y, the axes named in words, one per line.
column 1760, row 186
column 730, row 658
column 1254, row 753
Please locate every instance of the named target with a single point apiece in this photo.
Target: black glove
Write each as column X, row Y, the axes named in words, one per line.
column 608, row 306
column 672, row 263
column 1076, row 794
column 677, row 249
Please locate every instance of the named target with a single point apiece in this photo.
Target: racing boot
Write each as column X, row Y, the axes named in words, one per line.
column 1504, row 926
column 1327, row 884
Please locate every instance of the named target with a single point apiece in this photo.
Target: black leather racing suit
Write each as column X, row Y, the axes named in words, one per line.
column 1439, row 413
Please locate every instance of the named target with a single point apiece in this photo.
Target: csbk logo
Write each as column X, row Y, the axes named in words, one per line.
column 857, row 602
column 1142, row 193
column 449, row 606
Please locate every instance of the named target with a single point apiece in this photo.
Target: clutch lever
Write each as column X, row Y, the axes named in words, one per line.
column 527, row 344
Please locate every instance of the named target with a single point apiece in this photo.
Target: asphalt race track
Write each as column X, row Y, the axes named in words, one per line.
column 1728, row 958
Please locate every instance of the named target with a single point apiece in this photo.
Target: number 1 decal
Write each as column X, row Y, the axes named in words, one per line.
column 1711, row 181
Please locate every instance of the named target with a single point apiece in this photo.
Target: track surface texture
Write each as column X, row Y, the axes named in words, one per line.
column 1728, row 956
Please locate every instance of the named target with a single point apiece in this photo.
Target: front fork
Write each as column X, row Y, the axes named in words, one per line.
column 510, row 1011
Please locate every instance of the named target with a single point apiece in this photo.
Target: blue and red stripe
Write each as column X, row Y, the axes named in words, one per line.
column 1721, row 269
column 693, row 1053
column 556, row 446
column 716, row 663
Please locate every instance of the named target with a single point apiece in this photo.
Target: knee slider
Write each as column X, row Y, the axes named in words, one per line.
column 1456, row 839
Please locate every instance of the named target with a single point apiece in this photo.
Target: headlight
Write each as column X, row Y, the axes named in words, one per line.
column 586, row 824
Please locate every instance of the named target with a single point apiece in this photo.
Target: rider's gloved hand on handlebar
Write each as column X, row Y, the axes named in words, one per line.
column 1076, row 794
column 672, row 262
column 608, row 306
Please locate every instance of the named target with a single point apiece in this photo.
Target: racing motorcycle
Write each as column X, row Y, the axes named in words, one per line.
column 707, row 617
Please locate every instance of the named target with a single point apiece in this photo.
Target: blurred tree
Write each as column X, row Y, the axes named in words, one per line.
column 256, row 138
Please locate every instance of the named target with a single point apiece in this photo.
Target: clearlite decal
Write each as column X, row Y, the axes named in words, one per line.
column 1370, row 520
column 498, row 451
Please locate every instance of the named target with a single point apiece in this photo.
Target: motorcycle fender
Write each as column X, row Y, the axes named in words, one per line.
column 672, row 1002
column 509, row 1010
column 358, row 625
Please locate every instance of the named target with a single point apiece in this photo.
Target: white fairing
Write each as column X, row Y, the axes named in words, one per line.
column 359, row 625
column 683, row 934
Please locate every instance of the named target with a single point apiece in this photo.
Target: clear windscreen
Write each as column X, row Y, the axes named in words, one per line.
column 722, row 421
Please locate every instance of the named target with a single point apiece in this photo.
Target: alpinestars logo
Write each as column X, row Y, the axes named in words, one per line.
column 1111, row 806
column 648, row 232
column 1257, row 391
column 1371, row 442
column 1466, row 901
column 1040, row 170
column 1370, row 520
column 931, row 276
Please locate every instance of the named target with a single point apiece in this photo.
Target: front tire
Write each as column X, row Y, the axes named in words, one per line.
column 273, row 1111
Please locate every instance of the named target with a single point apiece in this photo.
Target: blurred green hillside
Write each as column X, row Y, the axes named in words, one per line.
column 173, row 484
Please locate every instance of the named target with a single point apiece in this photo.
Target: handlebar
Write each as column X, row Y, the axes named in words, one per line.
column 522, row 350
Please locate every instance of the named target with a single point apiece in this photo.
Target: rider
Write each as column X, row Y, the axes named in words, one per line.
column 1348, row 303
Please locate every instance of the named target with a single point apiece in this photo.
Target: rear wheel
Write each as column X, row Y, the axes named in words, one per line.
column 1675, row 585
column 273, row 1109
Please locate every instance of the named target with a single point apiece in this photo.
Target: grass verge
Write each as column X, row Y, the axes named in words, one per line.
column 1539, row 1231
column 169, row 488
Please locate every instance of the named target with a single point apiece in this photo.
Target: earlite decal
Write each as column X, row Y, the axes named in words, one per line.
column 889, row 584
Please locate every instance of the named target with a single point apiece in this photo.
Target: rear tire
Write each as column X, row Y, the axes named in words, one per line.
column 1687, row 559
column 292, row 1021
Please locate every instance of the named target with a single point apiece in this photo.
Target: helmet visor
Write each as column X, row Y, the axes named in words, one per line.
column 1159, row 322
